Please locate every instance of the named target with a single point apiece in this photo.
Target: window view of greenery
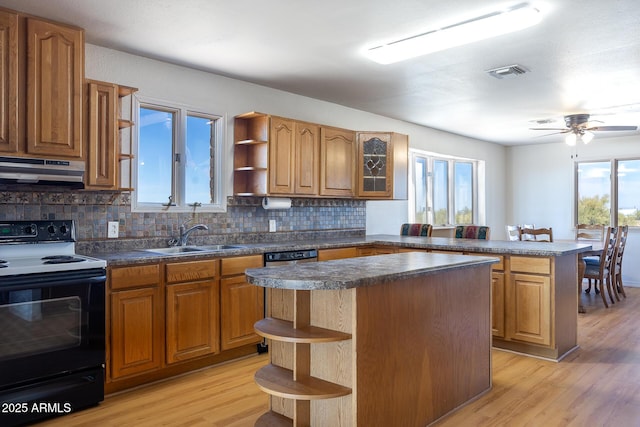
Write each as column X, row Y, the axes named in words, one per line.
column 463, row 175
column 594, row 192
column 628, row 172
column 440, row 192
column 444, row 190
column 198, row 162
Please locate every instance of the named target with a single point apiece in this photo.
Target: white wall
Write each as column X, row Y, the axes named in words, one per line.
column 231, row 97
column 541, row 187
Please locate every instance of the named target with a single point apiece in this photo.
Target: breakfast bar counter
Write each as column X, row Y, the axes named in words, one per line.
column 399, row 339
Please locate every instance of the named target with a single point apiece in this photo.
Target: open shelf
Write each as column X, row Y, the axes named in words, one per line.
column 279, row 381
column 273, row 419
column 282, row 330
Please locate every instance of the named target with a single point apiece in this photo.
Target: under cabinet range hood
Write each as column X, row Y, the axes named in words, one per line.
column 23, row 170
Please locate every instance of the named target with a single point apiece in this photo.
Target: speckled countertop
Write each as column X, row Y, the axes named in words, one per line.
column 357, row 272
column 490, row 247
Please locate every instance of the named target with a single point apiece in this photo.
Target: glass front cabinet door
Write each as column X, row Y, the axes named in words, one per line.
column 382, row 165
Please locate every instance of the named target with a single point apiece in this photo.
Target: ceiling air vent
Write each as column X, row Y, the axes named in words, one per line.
column 507, row 72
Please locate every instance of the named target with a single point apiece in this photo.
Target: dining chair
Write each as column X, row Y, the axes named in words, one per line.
column 416, row 229
column 513, row 232
column 602, row 273
column 618, row 288
column 526, row 236
column 480, row 232
column 536, row 234
column 590, row 233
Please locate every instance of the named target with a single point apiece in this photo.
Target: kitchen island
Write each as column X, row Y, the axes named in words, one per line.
column 400, row 339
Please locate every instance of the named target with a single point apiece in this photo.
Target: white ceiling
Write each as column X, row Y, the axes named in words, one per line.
column 584, row 57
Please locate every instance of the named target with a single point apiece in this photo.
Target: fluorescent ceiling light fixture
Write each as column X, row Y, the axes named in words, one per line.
column 483, row 27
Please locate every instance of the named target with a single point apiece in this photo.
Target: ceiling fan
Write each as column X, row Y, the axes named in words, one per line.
column 579, row 127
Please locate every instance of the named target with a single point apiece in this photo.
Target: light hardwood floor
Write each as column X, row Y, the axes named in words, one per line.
column 596, row 385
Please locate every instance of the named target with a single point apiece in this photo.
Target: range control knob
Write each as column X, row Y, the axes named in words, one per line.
column 30, row 230
column 51, row 229
column 63, row 229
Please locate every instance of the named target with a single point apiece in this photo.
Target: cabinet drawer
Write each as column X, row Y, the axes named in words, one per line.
column 338, row 253
column 192, row 270
column 237, row 265
column 134, row 276
column 531, row 265
column 494, row 267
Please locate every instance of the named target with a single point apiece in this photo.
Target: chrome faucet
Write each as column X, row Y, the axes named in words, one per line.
column 184, row 232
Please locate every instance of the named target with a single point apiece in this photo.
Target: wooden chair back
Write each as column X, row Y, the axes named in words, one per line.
column 590, row 232
column 416, row 229
column 513, row 232
column 538, row 234
column 527, row 236
column 623, row 233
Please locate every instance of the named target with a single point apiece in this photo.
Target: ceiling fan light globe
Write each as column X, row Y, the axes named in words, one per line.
column 570, row 139
column 587, row 137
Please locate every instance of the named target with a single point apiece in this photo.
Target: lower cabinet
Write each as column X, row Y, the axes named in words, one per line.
column 337, row 253
column 497, row 304
column 529, row 301
column 241, row 303
column 136, row 321
column 192, row 313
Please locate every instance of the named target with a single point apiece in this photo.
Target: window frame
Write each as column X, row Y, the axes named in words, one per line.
column 431, row 158
column 181, row 112
column 613, row 190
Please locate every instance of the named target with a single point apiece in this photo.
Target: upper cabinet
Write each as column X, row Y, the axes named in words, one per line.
column 41, row 115
column 382, row 165
column 55, row 73
column 337, row 162
column 108, row 150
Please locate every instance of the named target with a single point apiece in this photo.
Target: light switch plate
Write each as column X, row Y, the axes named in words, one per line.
column 112, row 229
column 272, row 225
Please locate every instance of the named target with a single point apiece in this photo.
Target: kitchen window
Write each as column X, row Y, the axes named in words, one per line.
column 179, row 153
column 444, row 189
column 605, row 187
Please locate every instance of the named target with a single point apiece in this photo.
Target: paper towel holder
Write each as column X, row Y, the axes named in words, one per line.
column 276, row 203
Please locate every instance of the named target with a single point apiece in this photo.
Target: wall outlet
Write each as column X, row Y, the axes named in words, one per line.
column 272, row 225
column 112, row 229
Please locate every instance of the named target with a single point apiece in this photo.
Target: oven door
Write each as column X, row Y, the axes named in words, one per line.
column 52, row 323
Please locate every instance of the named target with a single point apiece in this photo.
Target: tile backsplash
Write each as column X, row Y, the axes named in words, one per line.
column 244, row 221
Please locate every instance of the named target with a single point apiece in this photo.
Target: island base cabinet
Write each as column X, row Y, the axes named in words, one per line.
column 420, row 347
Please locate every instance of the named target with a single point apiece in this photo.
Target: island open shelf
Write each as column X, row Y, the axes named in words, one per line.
column 399, row 339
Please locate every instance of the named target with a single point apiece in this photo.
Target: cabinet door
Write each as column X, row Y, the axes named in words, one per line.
column 242, row 305
column 136, row 331
column 192, row 320
column 307, row 158
column 338, row 253
column 497, row 304
column 10, row 137
column 337, row 165
column 529, row 309
column 102, row 126
column 55, row 72
column 375, row 165
column 281, row 156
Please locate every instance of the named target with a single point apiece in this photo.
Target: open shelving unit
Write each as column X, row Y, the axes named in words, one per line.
column 250, row 154
column 125, row 127
column 299, row 385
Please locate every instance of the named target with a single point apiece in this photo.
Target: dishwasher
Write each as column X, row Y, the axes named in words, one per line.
column 274, row 259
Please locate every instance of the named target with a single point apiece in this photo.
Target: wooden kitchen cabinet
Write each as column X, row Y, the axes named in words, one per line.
column 337, row 162
column 497, row 304
column 106, row 149
column 382, row 165
column 281, row 156
column 11, row 100
column 192, row 309
column 337, row 253
column 135, row 321
column 529, row 303
column 55, row 73
column 250, row 154
column 307, row 159
column 241, row 303
column 41, row 87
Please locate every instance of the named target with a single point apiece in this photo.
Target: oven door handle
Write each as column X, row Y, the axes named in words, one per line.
column 30, row 281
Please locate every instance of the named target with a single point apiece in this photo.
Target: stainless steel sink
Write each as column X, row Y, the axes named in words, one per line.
column 178, row 250
column 175, row 250
column 219, row 247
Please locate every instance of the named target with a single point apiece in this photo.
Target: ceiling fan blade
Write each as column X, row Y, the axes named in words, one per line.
column 612, row 128
column 563, row 129
column 554, row 133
